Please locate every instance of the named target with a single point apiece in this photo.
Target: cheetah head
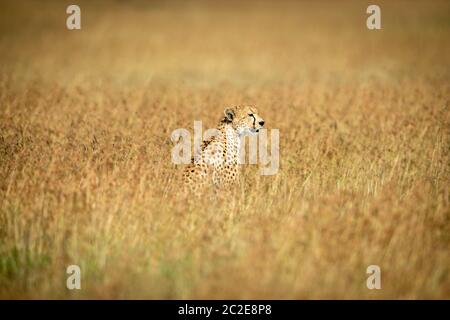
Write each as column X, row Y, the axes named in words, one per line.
column 244, row 119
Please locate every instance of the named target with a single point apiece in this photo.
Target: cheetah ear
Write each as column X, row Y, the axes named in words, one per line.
column 229, row 114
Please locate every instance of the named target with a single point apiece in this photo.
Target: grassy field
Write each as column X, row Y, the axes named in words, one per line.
column 86, row 176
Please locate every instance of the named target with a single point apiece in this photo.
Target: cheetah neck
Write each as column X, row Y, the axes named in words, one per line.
column 231, row 140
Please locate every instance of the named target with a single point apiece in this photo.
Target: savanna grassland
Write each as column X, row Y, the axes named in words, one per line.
column 86, row 176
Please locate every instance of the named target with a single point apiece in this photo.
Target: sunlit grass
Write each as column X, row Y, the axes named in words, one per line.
column 86, row 176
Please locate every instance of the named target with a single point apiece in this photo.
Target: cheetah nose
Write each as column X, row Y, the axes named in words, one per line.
column 261, row 123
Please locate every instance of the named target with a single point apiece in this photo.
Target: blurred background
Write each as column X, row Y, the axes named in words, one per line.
column 203, row 43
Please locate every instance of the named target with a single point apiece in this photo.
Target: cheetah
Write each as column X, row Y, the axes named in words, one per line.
column 217, row 162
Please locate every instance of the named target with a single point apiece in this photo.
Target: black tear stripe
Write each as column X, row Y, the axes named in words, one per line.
column 254, row 120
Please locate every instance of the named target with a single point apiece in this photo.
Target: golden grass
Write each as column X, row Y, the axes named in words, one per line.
column 85, row 170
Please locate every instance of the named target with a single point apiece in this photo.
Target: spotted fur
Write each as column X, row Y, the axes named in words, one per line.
column 217, row 163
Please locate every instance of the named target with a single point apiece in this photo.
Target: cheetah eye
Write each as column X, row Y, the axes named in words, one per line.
column 250, row 114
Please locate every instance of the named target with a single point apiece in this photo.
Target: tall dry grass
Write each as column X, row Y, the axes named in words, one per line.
column 85, row 170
